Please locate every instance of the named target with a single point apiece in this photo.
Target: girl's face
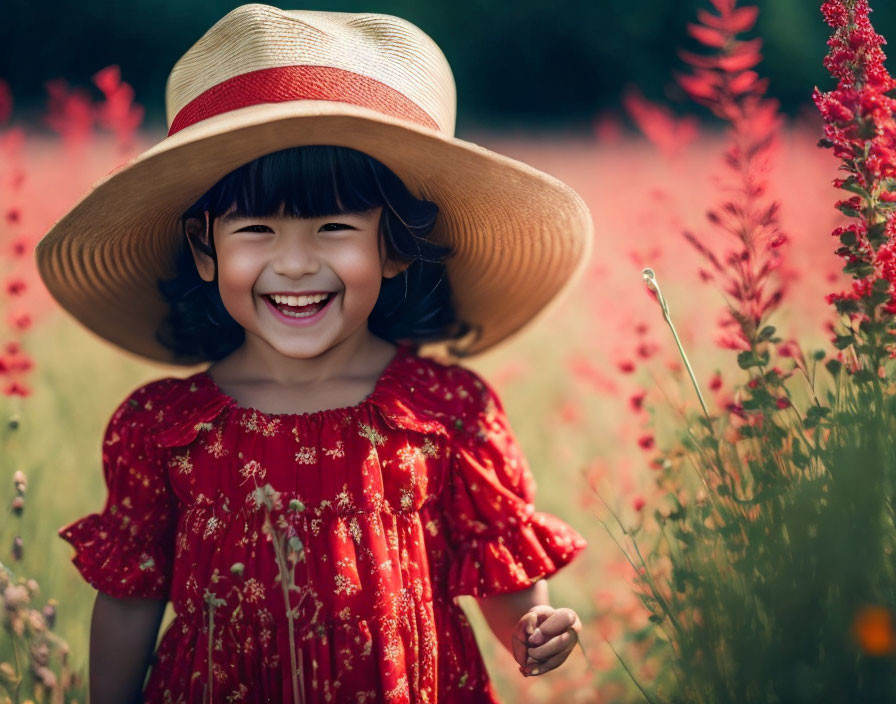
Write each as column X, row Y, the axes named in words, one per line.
column 260, row 257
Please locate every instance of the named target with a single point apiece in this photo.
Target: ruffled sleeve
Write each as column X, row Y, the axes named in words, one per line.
column 127, row 549
column 501, row 543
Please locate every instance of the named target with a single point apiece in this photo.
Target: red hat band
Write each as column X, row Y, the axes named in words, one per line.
column 289, row 83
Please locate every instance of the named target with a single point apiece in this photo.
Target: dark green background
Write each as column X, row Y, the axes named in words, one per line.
column 551, row 63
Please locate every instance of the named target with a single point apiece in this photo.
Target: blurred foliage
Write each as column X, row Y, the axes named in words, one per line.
column 552, row 63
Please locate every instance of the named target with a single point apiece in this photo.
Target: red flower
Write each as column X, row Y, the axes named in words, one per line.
column 19, row 247
column 722, row 80
column 716, row 382
column 783, row 402
column 14, row 388
column 20, row 321
column 15, row 287
column 13, row 216
column 646, row 442
column 636, row 401
column 638, row 503
column 626, row 367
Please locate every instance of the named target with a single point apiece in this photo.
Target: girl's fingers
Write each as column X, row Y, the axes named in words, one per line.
column 549, row 664
column 558, row 622
column 557, row 644
column 520, row 637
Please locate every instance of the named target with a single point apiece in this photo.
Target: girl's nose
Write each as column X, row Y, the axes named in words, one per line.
column 294, row 257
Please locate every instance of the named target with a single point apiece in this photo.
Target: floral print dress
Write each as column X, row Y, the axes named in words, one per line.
column 378, row 515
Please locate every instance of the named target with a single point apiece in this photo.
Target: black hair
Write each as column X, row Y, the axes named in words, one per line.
column 313, row 181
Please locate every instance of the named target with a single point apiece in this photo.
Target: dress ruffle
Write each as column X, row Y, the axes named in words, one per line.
column 127, row 549
column 112, row 566
column 514, row 560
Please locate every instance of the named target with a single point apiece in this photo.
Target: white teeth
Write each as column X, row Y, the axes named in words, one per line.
column 298, row 300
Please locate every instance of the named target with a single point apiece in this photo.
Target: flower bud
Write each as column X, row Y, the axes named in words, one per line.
column 297, row 505
column 49, row 612
column 18, row 505
column 18, row 548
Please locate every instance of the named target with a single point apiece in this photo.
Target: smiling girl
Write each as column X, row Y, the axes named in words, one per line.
column 307, row 229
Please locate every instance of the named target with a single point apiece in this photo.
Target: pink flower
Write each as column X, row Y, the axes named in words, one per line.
column 15, row 287
column 646, row 442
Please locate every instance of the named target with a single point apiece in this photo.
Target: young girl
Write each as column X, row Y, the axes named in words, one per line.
column 314, row 500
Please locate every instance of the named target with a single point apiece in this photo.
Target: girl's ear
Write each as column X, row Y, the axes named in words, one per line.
column 392, row 268
column 197, row 238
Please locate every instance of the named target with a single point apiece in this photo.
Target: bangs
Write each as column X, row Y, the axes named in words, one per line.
column 303, row 182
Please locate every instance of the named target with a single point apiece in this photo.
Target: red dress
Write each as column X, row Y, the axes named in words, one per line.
column 380, row 513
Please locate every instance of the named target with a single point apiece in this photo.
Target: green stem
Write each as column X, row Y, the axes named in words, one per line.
column 650, row 279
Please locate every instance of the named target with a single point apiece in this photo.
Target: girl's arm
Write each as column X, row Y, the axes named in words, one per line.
column 503, row 611
column 123, row 635
column 539, row 637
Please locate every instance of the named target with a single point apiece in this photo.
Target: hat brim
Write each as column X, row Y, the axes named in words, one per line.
column 520, row 235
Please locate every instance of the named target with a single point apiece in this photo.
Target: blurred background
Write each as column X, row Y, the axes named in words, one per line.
column 517, row 64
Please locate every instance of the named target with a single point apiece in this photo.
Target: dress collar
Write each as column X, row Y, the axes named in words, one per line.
column 405, row 396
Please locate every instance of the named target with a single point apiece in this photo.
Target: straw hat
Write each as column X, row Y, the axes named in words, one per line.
column 264, row 79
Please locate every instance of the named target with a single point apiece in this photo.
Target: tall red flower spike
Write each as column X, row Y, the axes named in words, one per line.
column 118, row 113
column 861, row 130
column 722, row 80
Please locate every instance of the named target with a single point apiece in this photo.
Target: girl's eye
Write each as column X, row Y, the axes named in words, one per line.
column 255, row 228
column 330, row 226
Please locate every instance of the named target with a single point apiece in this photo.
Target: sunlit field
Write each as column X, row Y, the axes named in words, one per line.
column 571, row 382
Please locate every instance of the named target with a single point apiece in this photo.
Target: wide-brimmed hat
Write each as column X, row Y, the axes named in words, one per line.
column 264, row 79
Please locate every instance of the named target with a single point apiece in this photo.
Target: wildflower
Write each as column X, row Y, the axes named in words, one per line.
column 636, row 401
column 15, row 287
column 626, row 366
column 872, row 628
column 715, row 383
column 646, row 442
column 13, row 216
column 860, row 128
column 659, row 125
column 49, row 613
column 297, row 506
column 20, row 321
column 18, row 505
column 18, row 548
column 722, row 81
column 118, row 113
column 14, row 388
column 638, row 503
column 69, row 112
column 783, row 403
column 19, row 247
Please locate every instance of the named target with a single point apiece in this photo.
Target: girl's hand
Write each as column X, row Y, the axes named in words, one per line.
column 544, row 637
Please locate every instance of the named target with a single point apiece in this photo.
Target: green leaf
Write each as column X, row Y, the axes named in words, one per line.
column 841, row 342
column 851, row 184
column 766, row 333
column 863, row 376
column 849, row 211
column 748, row 359
column 876, row 233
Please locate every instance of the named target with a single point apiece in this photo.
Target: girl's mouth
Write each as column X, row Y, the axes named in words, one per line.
column 300, row 314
